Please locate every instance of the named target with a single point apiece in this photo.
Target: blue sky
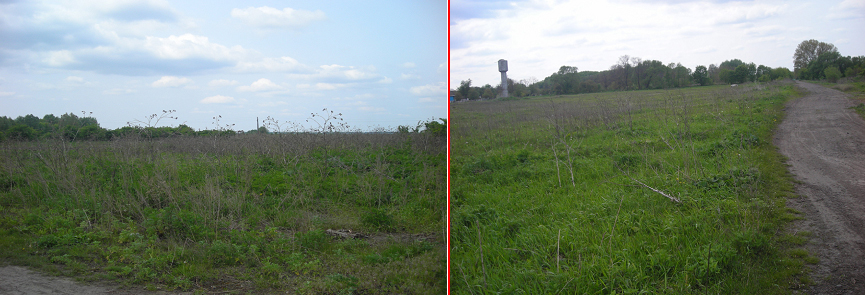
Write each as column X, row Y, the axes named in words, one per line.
column 539, row 36
column 379, row 63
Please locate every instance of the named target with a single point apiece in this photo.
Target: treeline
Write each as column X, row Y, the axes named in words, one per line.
column 71, row 127
column 814, row 60
column 630, row 73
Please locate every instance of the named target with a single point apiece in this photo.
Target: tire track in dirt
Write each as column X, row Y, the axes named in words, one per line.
column 824, row 142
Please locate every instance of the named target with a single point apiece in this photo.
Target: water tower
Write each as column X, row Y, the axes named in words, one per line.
column 503, row 68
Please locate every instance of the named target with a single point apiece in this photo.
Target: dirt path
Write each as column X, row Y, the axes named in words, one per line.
column 825, row 144
column 17, row 280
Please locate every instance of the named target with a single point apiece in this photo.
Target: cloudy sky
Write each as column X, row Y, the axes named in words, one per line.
column 379, row 63
column 539, row 36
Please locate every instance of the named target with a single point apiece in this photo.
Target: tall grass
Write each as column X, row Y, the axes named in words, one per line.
column 568, row 193
column 245, row 212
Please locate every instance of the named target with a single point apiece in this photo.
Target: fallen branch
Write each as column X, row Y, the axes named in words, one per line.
column 674, row 199
column 345, row 234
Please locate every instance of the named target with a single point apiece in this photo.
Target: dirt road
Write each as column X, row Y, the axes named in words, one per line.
column 17, row 280
column 824, row 142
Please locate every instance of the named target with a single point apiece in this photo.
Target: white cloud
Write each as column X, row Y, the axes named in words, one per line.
column 430, row 99
column 59, row 58
column 385, row 80
column 117, row 91
column 170, row 81
column 188, row 46
column 75, row 79
column 338, row 73
column 371, row 109
column 405, row 76
column 408, row 65
column 269, row 17
column 282, row 64
column 218, row 99
column 847, row 9
column 5, row 93
column 438, row 89
column 260, row 85
column 221, row 82
column 329, row 86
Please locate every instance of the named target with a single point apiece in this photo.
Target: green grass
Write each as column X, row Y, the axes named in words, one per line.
column 240, row 214
column 543, row 199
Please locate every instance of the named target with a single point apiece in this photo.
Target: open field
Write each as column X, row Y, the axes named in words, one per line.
column 657, row 191
column 245, row 213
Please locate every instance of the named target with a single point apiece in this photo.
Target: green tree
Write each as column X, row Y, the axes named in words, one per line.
column 473, row 93
column 701, row 75
column 808, row 51
column 464, row 88
column 731, row 64
column 21, row 132
column 752, row 72
column 832, row 74
column 740, row 74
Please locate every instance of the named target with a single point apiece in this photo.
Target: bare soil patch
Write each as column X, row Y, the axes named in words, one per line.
column 824, row 141
column 17, row 280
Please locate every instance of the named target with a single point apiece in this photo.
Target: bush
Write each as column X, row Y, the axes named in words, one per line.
column 378, row 220
column 832, row 74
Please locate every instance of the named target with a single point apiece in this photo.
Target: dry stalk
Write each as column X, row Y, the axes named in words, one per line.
column 614, row 229
column 558, row 269
column 481, row 247
column 558, row 174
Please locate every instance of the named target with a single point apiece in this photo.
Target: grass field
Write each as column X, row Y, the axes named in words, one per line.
column 667, row 192
column 232, row 214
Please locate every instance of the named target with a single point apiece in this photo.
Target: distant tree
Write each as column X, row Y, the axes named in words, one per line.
column 474, row 94
column 464, row 88
column 763, row 71
column 731, row 64
column 21, row 132
column 623, row 67
column 817, row 67
column 701, row 75
column 832, row 74
column 636, row 64
column 50, row 119
column 29, row 120
column 752, row 72
column 488, row 92
column 563, row 70
column 740, row 74
column 781, row 73
column 262, row 130
column 713, row 73
column 808, row 51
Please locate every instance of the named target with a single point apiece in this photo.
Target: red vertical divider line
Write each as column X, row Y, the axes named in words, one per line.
column 448, row 202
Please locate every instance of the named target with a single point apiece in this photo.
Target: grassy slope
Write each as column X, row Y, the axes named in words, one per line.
column 520, row 224
column 244, row 213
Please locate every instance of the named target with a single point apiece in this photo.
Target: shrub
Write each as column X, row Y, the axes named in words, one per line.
column 378, row 220
column 832, row 74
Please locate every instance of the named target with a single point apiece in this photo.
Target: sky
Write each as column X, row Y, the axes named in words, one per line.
column 378, row 63
column 537, row 37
